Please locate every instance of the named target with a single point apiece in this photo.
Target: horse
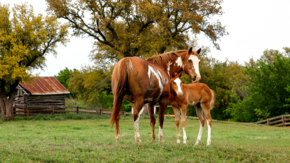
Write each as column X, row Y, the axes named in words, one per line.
column 197, row 94
column 141, row 81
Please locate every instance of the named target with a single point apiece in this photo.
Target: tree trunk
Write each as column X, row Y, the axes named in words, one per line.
column 6, row 105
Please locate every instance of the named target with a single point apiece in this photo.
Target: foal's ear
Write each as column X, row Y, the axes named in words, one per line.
column 198, row 51
column 179, row 75
column 189, row 50
column 174, row 74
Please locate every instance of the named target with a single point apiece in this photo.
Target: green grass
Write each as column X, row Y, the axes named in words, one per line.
column 92, row 140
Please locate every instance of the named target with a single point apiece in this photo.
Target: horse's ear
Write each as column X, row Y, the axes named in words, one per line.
column 179, row 75
column 174, row 74
column 189, row 50
column 198, row 51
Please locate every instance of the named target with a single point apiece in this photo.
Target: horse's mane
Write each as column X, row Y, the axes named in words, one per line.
column 165, row 58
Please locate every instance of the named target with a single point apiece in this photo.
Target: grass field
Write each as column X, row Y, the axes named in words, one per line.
column 92, row 140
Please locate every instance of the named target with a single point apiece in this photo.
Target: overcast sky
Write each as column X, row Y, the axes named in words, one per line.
column 253, row 26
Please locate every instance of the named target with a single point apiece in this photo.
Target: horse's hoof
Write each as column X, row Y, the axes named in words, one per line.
column 178, row 141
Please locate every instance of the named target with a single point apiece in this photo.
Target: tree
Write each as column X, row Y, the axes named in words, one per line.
column 64, row 77
column 268, row 89
column 25, row 40
column 125, row 28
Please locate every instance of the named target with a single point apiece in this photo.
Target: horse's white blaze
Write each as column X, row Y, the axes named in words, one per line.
column 158, row 76
column 178, row 83
column 208, row 134
column 168, row 68
column 193, row 103
column 184, row 136
column 179, row 62
column 199, row 134
column 195, row 62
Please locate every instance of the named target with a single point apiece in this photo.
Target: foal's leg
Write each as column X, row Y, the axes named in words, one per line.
column 139, row 101
column 152, row 120
column 199, row 113
column 206, row 110
column 183, row 123
column 177, row 115
column 163, row 105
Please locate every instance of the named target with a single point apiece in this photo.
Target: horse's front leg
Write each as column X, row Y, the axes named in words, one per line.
column 163, row 105
column 138, row 105
column 152, row 119
column 177, row 115
column 183, row 123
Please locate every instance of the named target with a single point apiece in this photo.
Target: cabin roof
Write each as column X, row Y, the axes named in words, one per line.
column 44, row 86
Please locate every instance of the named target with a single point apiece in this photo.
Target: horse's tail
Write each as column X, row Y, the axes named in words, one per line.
column 212, row 103
column 119, row 86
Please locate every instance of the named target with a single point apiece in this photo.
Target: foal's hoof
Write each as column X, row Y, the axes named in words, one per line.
column 117, row 138
column 178, row 141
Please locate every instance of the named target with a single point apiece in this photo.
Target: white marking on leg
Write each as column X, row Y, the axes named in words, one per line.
column 208, row 134
column 195, row 63
column 184, row 136
column 199, row 134
column 179, row 62
column 136, row 126
column 160, row 135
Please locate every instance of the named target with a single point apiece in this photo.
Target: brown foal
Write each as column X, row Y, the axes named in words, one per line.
column 197, row 94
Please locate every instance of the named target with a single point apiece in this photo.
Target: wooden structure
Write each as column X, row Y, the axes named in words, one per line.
column 43, row 91
column 32, row 110
column 281, row 120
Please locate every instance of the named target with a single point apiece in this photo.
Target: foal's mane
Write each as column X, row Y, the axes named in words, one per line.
column 165, row 58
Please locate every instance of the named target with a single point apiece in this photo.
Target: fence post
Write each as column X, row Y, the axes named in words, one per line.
column 283, row 123
column 27, row 111
column 268, row 122
column 77, row 110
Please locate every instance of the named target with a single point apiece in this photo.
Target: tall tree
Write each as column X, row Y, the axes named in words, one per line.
column 124, row 28
column 269, row 89
column 25, row 40
column 64, row 77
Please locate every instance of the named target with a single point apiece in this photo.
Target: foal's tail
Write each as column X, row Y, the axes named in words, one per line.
column 119, row 85
column 212, row 103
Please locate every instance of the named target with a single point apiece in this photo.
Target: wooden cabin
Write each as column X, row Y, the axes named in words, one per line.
column 43, row 91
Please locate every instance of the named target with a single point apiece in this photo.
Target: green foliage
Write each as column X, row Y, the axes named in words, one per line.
column 268, row 86
column 64, row 77
column 25, row 40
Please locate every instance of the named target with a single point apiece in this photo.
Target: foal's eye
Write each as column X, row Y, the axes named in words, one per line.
column 189, row 61
column 174, row 83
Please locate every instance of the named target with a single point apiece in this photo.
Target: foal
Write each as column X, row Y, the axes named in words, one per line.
column 197, row 94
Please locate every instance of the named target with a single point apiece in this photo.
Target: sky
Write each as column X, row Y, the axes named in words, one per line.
column 253, row 26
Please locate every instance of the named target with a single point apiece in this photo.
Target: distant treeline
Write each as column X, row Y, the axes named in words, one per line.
column 245, row 92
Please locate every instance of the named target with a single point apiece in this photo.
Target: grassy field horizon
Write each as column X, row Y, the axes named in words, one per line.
column 92, row 140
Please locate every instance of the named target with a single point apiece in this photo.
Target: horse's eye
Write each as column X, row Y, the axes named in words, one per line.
column 189, row 61
column 174, row 83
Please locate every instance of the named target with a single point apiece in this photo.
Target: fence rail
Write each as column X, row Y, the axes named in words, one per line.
column 281, row 120
column 35, row 110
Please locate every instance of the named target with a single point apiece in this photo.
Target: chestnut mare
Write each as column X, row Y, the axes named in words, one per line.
column 143, row 81
column 197, row 94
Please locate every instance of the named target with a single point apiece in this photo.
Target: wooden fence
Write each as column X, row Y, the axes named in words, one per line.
column 35, row 110
column 282, row 120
